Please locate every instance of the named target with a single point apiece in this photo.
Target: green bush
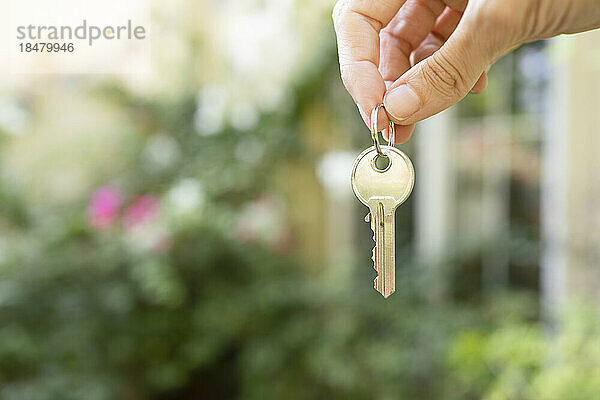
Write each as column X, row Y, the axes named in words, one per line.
column 528, row 361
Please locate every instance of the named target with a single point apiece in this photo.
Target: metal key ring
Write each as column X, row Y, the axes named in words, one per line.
column 374, row 132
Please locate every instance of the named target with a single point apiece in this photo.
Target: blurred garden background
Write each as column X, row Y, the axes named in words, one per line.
column 191, row 233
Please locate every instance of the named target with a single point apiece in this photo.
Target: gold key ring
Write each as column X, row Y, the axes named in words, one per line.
column 374, row 132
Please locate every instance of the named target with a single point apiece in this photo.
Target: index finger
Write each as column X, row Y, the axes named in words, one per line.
column 357, row 25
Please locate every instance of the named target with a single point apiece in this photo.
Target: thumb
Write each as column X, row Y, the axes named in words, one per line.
column 439, row 81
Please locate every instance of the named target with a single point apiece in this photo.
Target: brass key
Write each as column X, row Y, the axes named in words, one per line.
column 383, row 190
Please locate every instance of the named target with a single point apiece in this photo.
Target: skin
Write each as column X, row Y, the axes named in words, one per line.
column 434, row 52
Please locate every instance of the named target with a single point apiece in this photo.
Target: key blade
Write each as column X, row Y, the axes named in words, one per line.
column 383, row 226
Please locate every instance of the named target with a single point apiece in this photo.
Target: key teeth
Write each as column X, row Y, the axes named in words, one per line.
column 373, row 256
column 374, row 248
column 376, row 280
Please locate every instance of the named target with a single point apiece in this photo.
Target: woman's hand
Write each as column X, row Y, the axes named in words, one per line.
column 419, row 57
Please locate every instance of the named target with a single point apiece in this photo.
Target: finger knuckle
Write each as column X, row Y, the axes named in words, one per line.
column 444, row 76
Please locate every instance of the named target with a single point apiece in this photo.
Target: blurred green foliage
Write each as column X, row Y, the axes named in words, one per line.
column 218, row 310
column 203, row 304
column 520, row 360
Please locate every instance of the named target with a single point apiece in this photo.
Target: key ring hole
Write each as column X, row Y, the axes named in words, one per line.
column 381, row 163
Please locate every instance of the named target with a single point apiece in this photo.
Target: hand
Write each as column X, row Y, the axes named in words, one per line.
column 419, row 57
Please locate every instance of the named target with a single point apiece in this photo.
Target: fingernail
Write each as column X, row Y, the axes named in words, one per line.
column 402, row 102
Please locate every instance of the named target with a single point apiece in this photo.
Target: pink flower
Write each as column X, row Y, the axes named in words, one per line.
column 143, row 209
column 104, row 207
